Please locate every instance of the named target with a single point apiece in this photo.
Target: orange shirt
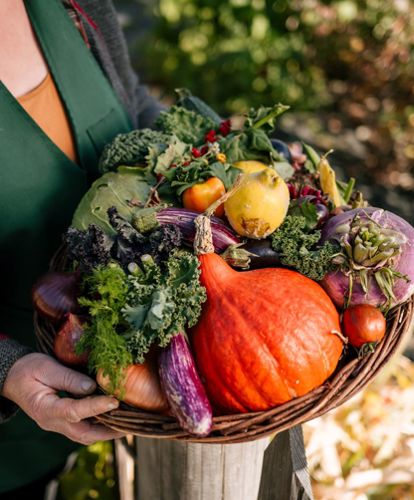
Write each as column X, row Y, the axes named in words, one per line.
column 46, row 108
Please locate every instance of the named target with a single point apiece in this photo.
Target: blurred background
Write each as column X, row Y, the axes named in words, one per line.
column 346, row 68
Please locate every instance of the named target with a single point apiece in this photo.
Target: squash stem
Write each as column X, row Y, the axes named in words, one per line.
column 203, row 241
column 213, row 207
column 340, row 335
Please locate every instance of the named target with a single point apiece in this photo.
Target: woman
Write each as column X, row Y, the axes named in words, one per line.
column 66, row 88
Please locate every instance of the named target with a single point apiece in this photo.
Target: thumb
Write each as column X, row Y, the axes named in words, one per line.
column 61, row 378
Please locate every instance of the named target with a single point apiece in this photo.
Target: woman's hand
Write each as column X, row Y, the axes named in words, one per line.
column 32, row 383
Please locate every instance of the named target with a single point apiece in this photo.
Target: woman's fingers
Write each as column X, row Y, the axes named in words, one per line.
column 87, row 433
column 61, row 378
column 33, row 382
column 75, row 410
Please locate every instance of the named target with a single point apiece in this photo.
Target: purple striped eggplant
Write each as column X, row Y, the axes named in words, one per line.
column 183, row 388
column 183, row 218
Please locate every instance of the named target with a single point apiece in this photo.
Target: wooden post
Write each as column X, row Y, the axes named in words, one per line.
column 259, row 470
column 125, row 467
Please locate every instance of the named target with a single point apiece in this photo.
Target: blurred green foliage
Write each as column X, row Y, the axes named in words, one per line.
column 92, row 476
column 350, row 57
column 234, row 54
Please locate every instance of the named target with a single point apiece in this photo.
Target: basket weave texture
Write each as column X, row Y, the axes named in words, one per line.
column 351, row 375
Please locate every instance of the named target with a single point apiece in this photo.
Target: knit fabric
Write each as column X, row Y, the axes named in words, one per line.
column 10, row 352
column 109, row 48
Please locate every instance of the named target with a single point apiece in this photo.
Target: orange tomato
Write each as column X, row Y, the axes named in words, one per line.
column 363, row 324
column 200, row 196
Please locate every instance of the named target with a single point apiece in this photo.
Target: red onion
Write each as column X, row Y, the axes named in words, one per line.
column 55, row 294
column 376, row 261
column 322, row 211
column 66, row 339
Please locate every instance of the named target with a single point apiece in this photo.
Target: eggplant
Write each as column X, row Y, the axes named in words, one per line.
column 261, row 254
column 282, row 148
column 183, row 388
column 253, row 254
column 183, row 218
column 194, row 103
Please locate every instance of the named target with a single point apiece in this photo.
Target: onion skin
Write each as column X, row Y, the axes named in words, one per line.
column 183, row 388
column 66, row 340
column 55, row 294
column 141, row 387
column 336, row 283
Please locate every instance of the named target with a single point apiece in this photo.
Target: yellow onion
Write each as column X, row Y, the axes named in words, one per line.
column 250, row 166
column 141, row 387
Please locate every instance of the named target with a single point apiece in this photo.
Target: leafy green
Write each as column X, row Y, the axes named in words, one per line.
column 253, row 143
column 298, row 248
column 164, row 239
column 305, row 209
column 194, row 103
column 313, row 158
column 124, row 190
column 264, row 117
column 132, row 148
column 107, row 349
column 189, row 126
column 199, row 170
column 129, row 313
column 161, row 163
column 162, row 301
column 129, row 244
column 90, row 248
column 346, row 189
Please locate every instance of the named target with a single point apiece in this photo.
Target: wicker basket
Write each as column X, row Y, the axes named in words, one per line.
column 351, row 375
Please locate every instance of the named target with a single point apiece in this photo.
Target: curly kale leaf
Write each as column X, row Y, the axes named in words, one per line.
column 132, row 148
column 128, row 313
column 161, row 307
column 163, row 240
column 298, row 248
column 189, row 126
column 89, row 248
column 130, row 244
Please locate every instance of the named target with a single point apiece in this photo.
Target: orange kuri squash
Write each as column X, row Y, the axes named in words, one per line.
column 264, row 336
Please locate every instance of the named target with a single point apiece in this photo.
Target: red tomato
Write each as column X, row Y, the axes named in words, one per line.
column 363, row 324
column 200, row 196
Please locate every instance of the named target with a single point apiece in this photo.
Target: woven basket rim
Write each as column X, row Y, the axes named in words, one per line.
column 348, row 379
